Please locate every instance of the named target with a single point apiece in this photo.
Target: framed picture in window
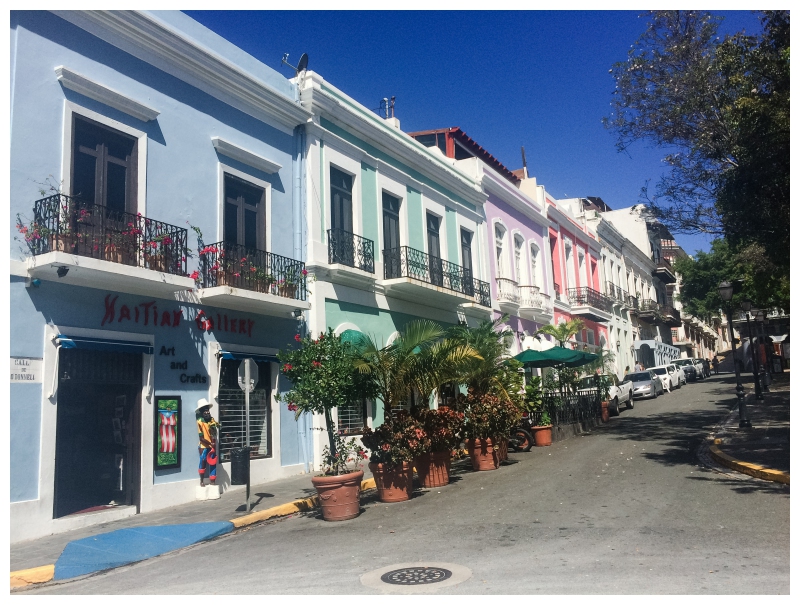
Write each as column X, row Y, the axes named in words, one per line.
column 167, row 439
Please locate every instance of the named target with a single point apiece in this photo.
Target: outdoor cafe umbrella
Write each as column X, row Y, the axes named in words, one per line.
column 555, row 356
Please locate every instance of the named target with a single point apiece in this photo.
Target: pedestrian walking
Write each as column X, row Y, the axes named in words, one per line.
column 627, row 370
column 715, row 364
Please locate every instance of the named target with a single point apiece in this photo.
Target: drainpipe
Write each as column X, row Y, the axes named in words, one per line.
column 298, row 207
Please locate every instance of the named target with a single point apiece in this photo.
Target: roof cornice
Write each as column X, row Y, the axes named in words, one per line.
column 508, row 193
column 155, row 42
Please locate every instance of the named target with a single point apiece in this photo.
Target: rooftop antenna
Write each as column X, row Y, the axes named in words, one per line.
column 524, row 162
column 387, row 107
column 302, row 64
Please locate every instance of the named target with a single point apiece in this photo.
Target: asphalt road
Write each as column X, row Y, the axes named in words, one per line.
column 628, row 509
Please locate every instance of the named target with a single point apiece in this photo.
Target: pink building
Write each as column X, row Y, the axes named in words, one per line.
column 574, row 255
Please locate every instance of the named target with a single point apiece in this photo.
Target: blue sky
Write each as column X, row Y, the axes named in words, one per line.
column 538, row 79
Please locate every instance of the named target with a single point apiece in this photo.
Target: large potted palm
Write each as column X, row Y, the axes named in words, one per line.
column 324, row 377
column 404, row 372
column 491, row 402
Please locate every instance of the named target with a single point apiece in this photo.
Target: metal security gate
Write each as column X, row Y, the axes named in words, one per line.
column 232, row 412
column 98, row 430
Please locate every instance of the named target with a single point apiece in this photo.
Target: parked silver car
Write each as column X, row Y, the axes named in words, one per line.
column 646, row 385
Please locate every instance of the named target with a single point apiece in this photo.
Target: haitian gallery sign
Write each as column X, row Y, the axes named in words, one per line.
column 148, row 313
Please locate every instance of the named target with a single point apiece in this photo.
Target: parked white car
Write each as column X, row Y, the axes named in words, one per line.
column 619, row 391
column 701, row 370
column 668, row 374
column 681, row 374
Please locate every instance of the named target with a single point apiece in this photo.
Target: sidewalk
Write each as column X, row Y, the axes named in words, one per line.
column 763, row 450
column 274, row 499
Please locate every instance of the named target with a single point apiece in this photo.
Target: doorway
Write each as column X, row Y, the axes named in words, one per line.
column 98, row 431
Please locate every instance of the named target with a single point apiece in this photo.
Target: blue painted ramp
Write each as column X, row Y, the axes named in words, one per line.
column 124, row 546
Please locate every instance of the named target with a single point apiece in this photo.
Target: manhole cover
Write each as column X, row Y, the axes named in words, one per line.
column 414, row 576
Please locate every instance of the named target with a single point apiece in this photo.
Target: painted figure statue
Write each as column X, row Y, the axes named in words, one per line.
column 207, row 429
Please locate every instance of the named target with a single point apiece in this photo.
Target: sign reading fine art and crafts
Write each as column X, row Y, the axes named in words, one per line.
column 167, row 425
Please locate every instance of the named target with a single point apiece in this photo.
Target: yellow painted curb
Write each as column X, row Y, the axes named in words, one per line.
column 754, row 470
column 35, row 575
column 298, row 506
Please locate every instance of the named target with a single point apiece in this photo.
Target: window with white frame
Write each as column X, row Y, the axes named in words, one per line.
column 518, row 243
column 570, row 263
column 499, row 241
column 534, row 265
column 352, row 419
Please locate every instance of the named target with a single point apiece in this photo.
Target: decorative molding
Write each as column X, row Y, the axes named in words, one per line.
column 148, row 39
column 88, row 88
column 245, row 157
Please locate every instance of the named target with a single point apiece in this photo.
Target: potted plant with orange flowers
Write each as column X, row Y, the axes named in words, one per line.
column 394, row 446
column 323, row 376
column 444, row 427
column 489, row 420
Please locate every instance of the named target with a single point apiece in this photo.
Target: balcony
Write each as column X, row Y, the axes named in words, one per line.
column 247, row 279
column 671, row 316
column 617, row 295
column 349, row 250
column 534, row 305
column 508, row 295
column 664, row 271
column 590, row 303
column 649, row 311
column 104, row 248
column 414, row 275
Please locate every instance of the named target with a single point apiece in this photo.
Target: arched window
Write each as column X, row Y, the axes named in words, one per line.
column 499, row 247
column 535, row 281
column 518, row 243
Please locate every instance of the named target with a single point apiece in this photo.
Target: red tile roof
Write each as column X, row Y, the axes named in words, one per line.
column 462, row 137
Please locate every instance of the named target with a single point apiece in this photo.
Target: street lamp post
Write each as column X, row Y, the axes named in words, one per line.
column 726, row 294
column 746, row 307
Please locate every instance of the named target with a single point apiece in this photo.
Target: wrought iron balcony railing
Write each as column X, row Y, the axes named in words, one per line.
column 226, row 264
column 507, row 290
column 72, row 225
column 589, row 297
column 648, row 306
column 352, row 250
column 415, row 264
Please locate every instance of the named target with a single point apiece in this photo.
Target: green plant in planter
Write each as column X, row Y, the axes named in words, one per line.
column 534, row 401
column 346, row 457
column 489, row 417
column 324, row 378
column 399, row 439
column 444, row 427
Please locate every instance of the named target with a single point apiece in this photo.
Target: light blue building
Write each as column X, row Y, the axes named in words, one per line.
column 139, row 127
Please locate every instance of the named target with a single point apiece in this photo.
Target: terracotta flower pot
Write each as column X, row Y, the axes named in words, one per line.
column 542, row 435
column 113, row 254
column 502, row 449
column 433, row 469
column 62, row 242
column 339, row 495
column 483, row 454
column 394, row 483
column 287, row 290
column 604, row 411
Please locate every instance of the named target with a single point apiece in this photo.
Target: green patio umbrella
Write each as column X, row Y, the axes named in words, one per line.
column 555, row 356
